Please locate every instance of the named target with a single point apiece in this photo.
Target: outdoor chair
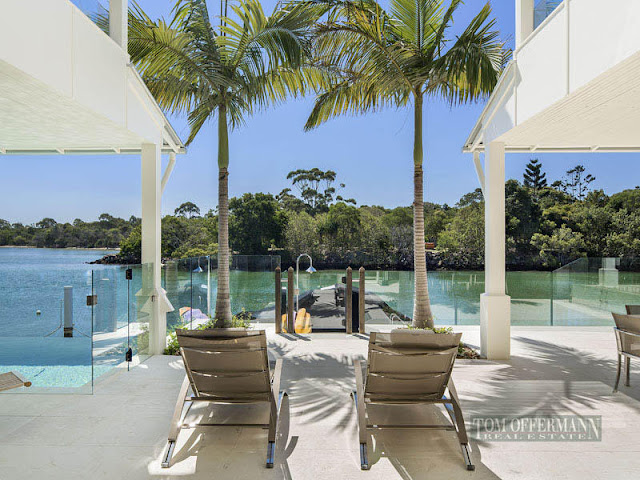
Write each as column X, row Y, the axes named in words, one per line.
column 408, row 367
column 11, row 380
column 632, row 309
column 627, row 332
column 226, row 366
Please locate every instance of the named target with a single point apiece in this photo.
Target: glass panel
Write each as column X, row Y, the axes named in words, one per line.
column 34, row 297
column 530, row 297
column 587, row 291
column 467, row 288
column 138, row 312
column 111, row 319
column 386, row 290
column 542, row 10
column 200, row 280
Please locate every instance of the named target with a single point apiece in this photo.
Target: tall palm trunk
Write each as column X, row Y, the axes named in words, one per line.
column 223, row 301
column 422, row 316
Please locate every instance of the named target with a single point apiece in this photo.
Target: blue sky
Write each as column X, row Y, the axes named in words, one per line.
column 371, row 154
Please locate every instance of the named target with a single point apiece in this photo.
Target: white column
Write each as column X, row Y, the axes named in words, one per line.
column 524, row 20
column 495, row 305
column 118, row 21
column 151, row 247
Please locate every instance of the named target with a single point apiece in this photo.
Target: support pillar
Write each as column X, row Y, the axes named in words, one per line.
column 495, row 305
column 524, row 20
column 119, row 22
column 154, row 299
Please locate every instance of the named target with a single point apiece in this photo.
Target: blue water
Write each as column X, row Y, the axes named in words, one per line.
column 31, row 342
column 33, row 279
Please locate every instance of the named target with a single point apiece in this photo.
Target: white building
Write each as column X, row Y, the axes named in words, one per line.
column 66, row 87
column 573, row 86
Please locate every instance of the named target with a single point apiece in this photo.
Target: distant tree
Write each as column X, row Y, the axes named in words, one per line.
column 399, row 217
column 290, row 202
column 463, row 239
column 470, row 198
column 562, row 245
column 256, row 222
column 134, row 221
column 522, row 214
column 131, row 246
column 301, row 234
column 316, row 188
column 46, row 223
column 575, row 182
column 340, row 228
column 187, row 209
column 628, row 199
column 533, row 176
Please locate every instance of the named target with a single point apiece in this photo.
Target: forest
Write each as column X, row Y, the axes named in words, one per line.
column 548, row 224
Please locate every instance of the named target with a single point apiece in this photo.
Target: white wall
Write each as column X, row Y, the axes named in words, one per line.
column 541, row 66
column 602, row 34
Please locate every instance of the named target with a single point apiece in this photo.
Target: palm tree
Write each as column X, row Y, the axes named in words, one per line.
column 245, row 63
column 382, row 59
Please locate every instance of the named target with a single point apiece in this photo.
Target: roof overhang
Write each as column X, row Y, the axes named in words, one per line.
column 68, row 88
column 601, row 116
column 35, row 119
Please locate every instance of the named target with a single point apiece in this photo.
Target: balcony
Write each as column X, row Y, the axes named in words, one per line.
column 572, row 84
column 66, row 86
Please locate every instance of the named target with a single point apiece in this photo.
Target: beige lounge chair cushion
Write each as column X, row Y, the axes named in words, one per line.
column 227, row 363
column 629, row 323
column 409, row 365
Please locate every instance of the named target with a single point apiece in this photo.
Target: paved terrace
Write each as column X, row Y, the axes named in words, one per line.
column 120, row 431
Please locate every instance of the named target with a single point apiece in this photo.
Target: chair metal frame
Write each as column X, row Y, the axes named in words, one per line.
column 449, row 400
column 627, row 357
column 275, row 397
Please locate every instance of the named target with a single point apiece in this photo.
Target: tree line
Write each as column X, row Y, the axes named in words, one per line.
column 547, row 226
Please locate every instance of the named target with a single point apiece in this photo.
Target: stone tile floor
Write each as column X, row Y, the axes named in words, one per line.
column 120, row 431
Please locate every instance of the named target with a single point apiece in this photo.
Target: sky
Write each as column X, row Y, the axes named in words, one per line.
column 371, row 154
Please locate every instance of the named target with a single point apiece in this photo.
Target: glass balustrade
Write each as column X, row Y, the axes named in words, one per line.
column 66, row 332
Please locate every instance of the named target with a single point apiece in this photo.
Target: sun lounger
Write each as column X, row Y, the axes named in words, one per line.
column 409, row 367
column 11, row 380
column 226, row 366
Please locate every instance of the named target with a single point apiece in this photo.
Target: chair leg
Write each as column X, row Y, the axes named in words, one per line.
column 358, row 398
column 176, row 422
column 458, row 421
column 275, row 412
column 627, row 367
column 615, row 387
